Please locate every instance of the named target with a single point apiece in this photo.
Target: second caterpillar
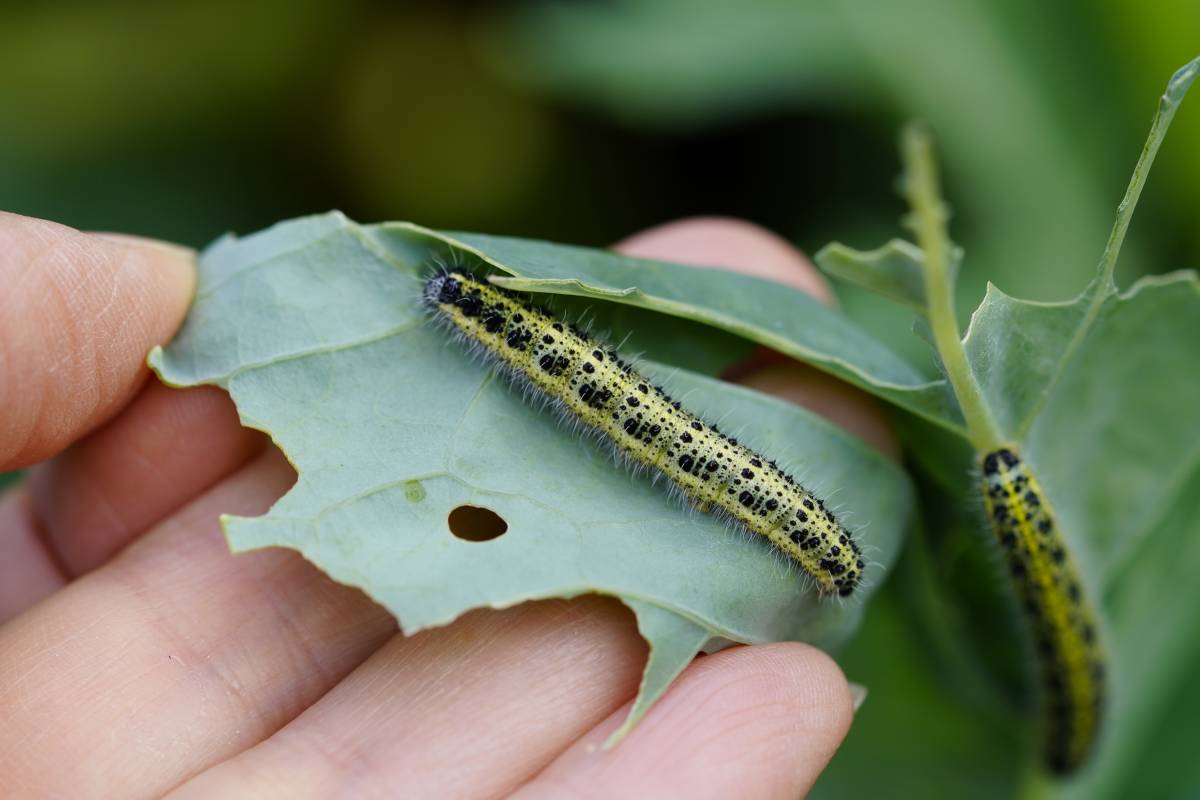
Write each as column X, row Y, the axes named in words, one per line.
column 591, row 383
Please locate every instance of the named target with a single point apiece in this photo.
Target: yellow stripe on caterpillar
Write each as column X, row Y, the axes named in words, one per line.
column 1064, row 625
column 591, row 383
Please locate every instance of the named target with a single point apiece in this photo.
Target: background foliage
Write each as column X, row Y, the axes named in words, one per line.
column 583, row 122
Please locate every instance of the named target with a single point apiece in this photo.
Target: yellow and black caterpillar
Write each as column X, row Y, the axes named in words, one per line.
column 1064, row 627
column 591, row 383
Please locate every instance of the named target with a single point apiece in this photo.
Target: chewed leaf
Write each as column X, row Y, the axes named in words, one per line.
column 318, row 333
column 674, row 641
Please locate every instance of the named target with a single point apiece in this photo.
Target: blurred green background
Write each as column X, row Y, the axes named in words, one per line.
column 585, row 121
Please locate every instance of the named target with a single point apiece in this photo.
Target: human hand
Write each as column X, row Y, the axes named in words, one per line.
column 138, row 657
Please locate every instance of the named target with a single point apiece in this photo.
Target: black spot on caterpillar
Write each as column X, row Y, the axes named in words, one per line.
column 591, row 383
column 1063, row 625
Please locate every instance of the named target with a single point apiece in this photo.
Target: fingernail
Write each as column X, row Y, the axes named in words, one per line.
column 176, row 250
column 858, row 695
column 172, row 256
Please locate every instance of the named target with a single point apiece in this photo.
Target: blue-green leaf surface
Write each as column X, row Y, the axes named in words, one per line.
column 316, row 329
column 1101, row 395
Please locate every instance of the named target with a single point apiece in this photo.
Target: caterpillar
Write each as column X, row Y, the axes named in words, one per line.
column 1063, row 626
column 589, row 382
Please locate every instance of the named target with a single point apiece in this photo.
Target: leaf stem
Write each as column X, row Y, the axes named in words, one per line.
column 928, row 220
column 1177, row 87
column 1103, row 286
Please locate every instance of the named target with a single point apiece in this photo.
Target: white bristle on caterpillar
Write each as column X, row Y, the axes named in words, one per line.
column 1064, row 626
column 589, row 382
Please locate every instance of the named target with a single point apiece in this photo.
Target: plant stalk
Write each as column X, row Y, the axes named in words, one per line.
column 929, row 223
column 1177, row 87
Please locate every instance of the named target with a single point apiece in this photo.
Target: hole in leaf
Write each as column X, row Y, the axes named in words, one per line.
column 476, row 524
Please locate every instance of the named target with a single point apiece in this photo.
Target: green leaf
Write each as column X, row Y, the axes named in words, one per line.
column 1154, row 630
column 316, row 329
column 1103, row 406
column 779, row 317
column 895, row 271
column 1056, row 377
column 1099, row 394
column 1015, row 351
column 1117, row 447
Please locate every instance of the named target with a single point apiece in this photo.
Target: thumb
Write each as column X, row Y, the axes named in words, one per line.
column 78, row 314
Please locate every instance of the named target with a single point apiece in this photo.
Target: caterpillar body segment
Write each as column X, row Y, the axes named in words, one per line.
column 591, row 383
column 1064, row 626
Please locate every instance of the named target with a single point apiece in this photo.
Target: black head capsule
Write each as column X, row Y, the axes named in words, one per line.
column 452, row 290
column 442, row 288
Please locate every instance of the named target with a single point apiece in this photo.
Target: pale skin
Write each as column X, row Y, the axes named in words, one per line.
column 139, row 658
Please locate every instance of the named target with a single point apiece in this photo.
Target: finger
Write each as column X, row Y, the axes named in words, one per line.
column 164, row 449
column 194, row 600
column 375, row 730
column 78, row 314
column 749, row 249
column 174, row 655
column 77, row 510
column 757, row 721
column 472, row 710
column 825, row 395
column 27, row 572
column 731, row 244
